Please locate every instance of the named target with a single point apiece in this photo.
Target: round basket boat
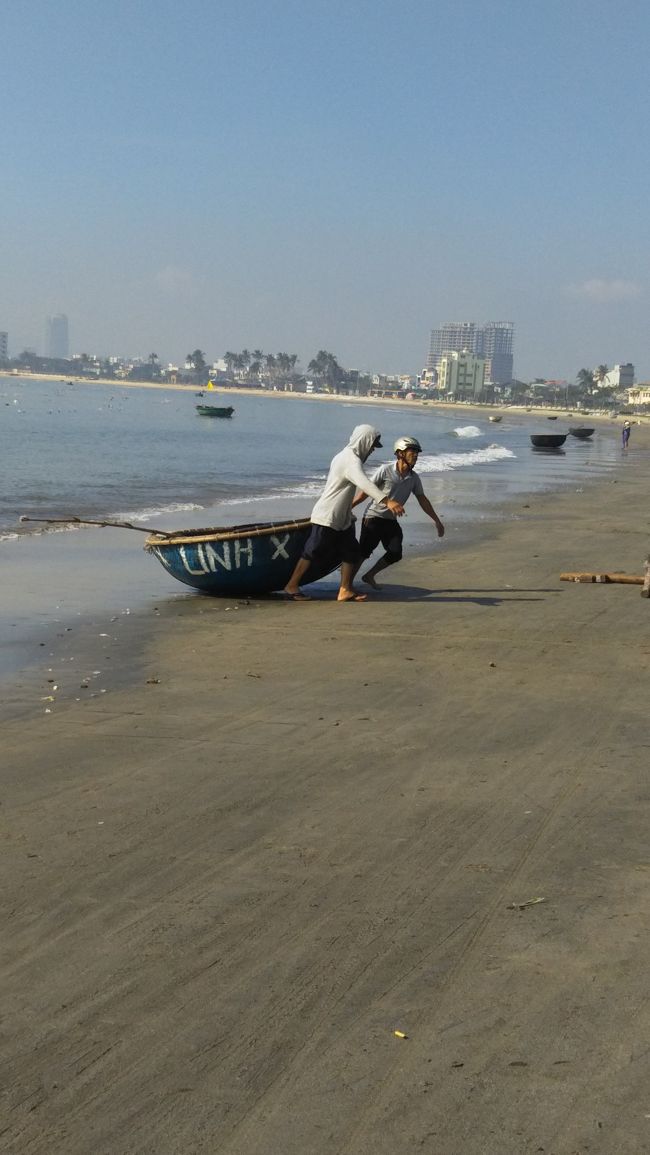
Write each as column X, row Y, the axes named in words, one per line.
column 548, row 440
column 234, row 561
column 581, row 432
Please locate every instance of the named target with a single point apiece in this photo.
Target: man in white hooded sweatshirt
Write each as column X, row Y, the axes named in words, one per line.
column 332, row 540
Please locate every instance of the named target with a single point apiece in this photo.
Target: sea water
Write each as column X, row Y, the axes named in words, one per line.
column 102, row 451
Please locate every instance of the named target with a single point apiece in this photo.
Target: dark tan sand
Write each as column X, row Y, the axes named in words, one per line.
column 224, row 891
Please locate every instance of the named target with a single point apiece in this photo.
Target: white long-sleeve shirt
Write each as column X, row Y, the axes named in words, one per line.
column 346, row 475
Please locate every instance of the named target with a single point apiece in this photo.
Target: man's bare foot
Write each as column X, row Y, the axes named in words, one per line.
column 295, row 595
column 351, row 596
column 370, row 581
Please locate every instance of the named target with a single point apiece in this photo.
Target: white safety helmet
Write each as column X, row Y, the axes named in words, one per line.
column 407, row 443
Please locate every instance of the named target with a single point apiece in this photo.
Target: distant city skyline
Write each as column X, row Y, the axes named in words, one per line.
column 325, row 176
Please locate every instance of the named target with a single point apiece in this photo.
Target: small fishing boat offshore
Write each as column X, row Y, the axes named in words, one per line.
column 215, row 410
column 547, row 440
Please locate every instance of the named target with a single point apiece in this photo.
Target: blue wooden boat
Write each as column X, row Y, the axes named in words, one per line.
column 234, row 561
column 215, row 410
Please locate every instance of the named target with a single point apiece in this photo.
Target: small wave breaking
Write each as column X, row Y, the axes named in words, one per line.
column 466, row 431
column 443, row 462
column 157, row 511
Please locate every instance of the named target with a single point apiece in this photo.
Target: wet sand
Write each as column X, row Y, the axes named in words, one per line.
column 294, row 830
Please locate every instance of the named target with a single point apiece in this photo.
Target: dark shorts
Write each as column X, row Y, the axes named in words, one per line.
column 326, row 548
column 381, row 531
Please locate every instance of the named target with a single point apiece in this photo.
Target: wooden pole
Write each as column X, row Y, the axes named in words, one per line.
column 88, row 521
column 605, row 578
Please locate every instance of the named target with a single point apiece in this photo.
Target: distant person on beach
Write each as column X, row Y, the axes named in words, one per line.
column 625, row 434
column 379, row 525
column 332, row 540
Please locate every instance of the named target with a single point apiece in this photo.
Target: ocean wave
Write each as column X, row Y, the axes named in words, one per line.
column 443, row 462
column 308, row 489
column 9, row 536
column 156, row 511
column 467, row 431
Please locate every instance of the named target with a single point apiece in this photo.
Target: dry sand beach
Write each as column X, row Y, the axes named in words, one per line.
column 298, row 829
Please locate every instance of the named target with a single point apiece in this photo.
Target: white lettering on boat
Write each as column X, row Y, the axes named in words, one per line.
column 245, row 548
column 187, row 565
column 213, row 560
column 163, row 558
column 280, row 551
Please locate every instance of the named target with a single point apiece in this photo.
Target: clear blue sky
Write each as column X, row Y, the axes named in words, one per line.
column 338, row 174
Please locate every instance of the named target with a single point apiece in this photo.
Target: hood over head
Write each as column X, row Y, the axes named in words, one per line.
column 363, row 440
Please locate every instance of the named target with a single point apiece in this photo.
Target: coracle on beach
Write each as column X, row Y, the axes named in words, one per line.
column 240, row 560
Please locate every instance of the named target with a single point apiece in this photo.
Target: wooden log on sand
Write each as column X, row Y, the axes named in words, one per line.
column 605, row 578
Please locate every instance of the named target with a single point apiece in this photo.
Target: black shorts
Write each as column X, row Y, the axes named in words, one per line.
column 381, row 531
column 326, row 548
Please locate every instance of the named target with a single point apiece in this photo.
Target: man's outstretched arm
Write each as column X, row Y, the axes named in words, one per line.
column 426, row 505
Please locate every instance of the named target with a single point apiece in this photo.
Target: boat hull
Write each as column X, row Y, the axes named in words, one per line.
column 547, row 440
column 215, row 410
column 236, row 561
column 582, row 433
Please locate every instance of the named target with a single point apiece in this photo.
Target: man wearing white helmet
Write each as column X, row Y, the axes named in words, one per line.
column 332, row 541
column 397, row 481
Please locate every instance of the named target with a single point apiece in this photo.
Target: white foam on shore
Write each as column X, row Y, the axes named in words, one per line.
column 310, row 490
column 443, row 462
column 157, row 511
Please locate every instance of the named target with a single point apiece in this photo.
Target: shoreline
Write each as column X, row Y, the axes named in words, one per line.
column 41, row 645
column 302, row 828
column 245, row 391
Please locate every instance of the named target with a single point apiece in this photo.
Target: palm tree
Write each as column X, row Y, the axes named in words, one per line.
column 326, row 367
column 585, row 379
column 196, row 360
column 600, row 373
column 231, row 361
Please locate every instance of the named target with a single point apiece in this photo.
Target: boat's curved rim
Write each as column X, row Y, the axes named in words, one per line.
column 224, row 533
column 548, row 440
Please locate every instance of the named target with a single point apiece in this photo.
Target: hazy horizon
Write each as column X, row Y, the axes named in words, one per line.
column 316, row 174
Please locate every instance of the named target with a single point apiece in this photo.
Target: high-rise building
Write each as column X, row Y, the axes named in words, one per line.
column 452, row 337
column 4, row 345
column 493, row 341
column 57, row 336
column 620, row 377
column 497, row 338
